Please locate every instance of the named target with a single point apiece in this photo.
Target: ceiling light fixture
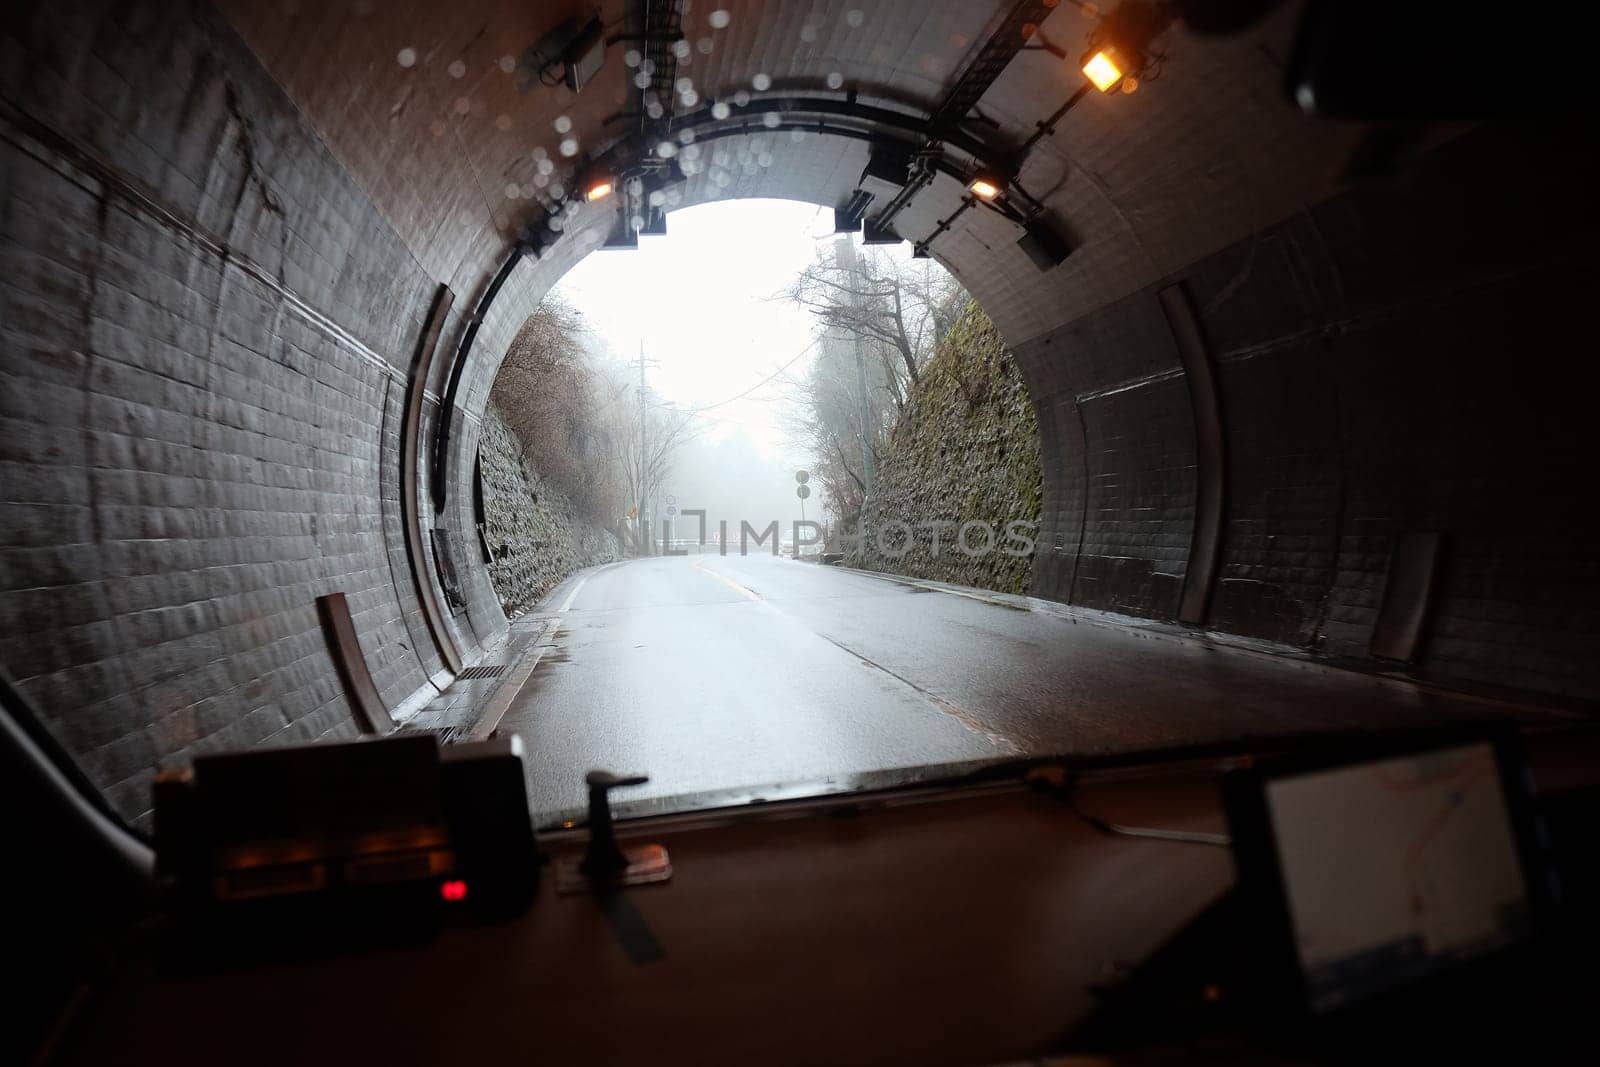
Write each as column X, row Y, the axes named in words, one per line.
column 1102, row 68
column 1122, row 45
column 986, row 185
column 599, row 185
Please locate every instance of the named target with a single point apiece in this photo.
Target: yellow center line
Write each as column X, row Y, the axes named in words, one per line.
column 729, row 582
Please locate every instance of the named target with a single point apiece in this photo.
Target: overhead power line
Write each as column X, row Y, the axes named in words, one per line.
column 791, row 362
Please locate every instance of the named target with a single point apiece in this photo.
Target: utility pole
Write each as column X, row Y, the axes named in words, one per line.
column 644, row 459
column 847, row 258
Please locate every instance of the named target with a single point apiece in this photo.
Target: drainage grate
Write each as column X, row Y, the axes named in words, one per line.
column 489, row 670
column 446, row 734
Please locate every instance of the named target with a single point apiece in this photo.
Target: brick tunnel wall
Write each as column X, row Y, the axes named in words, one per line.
column 207, row 327
column 1396, row 359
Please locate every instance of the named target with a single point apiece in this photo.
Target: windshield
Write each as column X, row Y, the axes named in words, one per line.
column 768, row 398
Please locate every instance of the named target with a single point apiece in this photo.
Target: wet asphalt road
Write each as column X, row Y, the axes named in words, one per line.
column 709, row 672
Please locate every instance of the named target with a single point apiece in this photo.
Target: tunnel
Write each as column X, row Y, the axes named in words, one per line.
column 1318, row 382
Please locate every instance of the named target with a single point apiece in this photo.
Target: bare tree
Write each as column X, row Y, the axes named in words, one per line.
column 902, row 308
column 647, row 434
column 551, row 394
column 825, row 415
column 899, row 312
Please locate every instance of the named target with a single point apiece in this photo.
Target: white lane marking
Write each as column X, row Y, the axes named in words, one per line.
column 574, row 594
column 970, row 722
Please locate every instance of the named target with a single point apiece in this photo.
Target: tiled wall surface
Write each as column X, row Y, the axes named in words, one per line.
column 1398, row 359
column 206, row 326
column 207, row 323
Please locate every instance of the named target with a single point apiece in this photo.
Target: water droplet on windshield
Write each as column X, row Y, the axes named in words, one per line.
column 720, row 110
column 835, row 80
column 563, row 123
column 407, row 57
column 761, row 82
column 457, row 69
column 719, row 18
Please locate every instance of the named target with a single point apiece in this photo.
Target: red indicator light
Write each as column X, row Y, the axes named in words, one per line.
column 453, row 890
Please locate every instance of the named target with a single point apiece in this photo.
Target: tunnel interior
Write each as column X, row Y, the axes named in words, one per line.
column 1319, row 383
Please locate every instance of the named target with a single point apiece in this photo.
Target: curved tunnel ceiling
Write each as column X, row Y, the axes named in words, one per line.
column 434, row 110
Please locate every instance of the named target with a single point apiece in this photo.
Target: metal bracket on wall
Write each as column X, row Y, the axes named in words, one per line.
column 447, row 407
column 340, row 630
column 1402, row 619
column 410, row 458
column 1205, row 543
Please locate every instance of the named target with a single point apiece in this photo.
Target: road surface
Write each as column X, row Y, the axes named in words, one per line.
column 716, row 672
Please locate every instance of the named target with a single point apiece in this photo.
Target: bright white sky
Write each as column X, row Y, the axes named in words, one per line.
column 700, row 299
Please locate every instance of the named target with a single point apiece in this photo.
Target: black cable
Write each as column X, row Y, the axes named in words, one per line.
column 758, row 385
column 21, row 709
column 1066, row 793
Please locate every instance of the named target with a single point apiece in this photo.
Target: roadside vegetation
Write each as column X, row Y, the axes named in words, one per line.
column 913, row 380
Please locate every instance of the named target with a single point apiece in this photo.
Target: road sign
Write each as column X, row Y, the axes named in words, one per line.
column 802, row 477
column 802, row 491
column 672, row 509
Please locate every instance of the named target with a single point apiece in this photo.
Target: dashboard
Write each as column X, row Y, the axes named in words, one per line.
column 1002, row 921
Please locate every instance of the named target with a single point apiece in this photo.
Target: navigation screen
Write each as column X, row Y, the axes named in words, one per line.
column 1396, row 869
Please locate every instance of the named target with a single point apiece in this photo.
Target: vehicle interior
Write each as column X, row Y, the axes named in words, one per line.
column 1286, row 752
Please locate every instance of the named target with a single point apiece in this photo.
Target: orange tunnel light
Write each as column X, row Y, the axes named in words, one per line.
column 1102, row 71
column 984, row 188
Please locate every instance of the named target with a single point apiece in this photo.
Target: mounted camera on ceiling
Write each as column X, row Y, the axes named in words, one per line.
column 572, row 53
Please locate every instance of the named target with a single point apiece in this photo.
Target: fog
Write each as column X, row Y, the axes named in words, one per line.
column 728, row 476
